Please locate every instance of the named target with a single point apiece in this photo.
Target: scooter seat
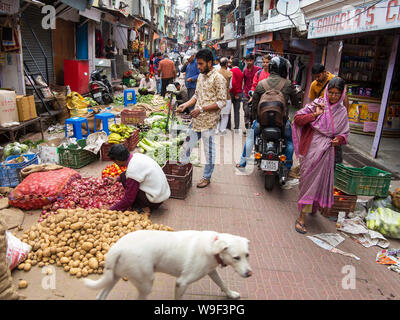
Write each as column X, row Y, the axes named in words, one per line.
column 271, row 133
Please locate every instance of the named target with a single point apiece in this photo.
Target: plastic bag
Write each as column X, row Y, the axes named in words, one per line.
column 7, row 290
column 17, row 251
column 385, row 221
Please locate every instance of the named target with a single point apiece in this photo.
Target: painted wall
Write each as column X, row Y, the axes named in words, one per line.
column 82, row 42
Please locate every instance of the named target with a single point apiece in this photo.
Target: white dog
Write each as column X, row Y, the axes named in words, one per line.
column 187, row 255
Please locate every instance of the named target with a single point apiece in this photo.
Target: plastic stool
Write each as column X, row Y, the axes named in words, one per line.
column 77, row 125
column 104, row 117
column 129, row 101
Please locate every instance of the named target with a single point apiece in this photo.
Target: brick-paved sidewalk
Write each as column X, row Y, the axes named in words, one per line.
column 286, row 264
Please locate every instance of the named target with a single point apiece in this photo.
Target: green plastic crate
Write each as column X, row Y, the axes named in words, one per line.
column 367, row 181
column 76, row 158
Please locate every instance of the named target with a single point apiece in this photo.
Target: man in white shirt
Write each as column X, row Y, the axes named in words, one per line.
column 147, row 85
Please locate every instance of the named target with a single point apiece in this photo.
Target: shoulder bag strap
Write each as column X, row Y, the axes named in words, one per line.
column 319, row 93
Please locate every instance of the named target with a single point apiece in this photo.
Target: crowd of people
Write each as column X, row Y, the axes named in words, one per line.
column 213, row 87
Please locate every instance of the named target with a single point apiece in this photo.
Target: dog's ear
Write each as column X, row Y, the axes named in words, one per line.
column 219, row 245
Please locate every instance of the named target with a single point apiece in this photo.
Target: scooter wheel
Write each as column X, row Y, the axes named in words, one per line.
column 107, row 98
column 269, row 181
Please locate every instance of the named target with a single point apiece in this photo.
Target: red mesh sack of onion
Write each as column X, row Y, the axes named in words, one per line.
column 86, row 193
column 41, row 188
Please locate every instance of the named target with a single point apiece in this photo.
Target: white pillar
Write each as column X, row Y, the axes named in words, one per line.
column 91, row 45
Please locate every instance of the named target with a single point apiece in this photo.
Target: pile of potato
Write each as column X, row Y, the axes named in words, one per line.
column 78, row 239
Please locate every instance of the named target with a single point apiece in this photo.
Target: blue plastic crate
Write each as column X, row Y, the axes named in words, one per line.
column 9, row 173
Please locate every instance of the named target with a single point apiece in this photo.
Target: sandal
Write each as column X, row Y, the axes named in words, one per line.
column 239, row 166
column 302, row 226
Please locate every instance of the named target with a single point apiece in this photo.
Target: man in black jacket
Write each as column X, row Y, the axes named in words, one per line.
column 278, row 69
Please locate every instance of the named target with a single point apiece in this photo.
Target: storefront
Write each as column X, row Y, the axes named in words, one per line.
column 299, row 52
column 11, row 68
column 362, row 48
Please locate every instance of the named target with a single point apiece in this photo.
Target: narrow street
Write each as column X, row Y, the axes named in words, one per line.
column 286, row 264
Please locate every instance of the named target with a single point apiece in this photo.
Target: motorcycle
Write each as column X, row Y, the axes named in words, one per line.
column 100, row 88
column 270, row 149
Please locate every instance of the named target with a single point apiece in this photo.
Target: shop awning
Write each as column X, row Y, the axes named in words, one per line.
column 139, row 24
column 92, row 13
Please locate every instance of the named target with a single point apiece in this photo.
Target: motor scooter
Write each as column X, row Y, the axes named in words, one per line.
column 100, row 88
column 270, row 148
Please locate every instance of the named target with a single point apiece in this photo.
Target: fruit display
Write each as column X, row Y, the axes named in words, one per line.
column 113, row 170
column 119, row 133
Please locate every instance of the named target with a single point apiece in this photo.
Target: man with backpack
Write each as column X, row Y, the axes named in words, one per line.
column 278, row 69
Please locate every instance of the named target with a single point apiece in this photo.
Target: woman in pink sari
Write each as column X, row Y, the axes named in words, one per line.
column 317, row 129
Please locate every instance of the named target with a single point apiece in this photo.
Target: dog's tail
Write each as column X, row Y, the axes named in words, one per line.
column 108, row 276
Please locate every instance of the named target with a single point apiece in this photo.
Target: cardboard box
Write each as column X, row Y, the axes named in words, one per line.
column 48, row 151
column 26, row 108
column 8, row 107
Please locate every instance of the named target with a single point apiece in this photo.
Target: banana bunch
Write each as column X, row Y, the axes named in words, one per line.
column 123, row 130
column 115, row 138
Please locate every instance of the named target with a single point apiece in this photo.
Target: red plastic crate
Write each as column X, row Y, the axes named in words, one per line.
column 179, row 179
column 133, row 116
column 105, row 148
column 343, row 202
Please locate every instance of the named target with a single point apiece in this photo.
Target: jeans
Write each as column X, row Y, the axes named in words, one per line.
column 246, row 111
column 209, row 149
column 254, row 132
column 236, row 110
column 164, row 83
column 222, row 123
column 158, row 85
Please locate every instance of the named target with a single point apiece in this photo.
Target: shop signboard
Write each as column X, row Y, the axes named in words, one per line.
column 250, row 43
column 366, row 17
column 9, row 6
column 266, row 37
column 232, row 44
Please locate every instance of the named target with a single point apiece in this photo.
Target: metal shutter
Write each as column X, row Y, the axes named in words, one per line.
column 33, row 16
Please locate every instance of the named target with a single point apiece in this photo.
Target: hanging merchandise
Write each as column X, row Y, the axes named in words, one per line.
column 99, row 44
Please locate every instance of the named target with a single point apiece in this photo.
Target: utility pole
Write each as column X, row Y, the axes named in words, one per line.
column 151, row 26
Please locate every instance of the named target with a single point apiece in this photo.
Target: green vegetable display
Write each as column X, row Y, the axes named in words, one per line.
column 15, row 148
column 145, row 98
column 119, row 100
column 160, row 147
column 385, row 221
column 91, row 101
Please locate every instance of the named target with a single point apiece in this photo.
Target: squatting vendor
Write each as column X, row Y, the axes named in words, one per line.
column 146, row 186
